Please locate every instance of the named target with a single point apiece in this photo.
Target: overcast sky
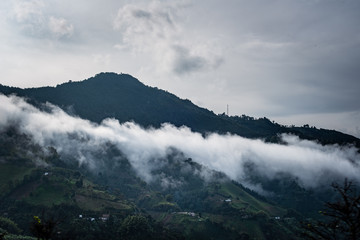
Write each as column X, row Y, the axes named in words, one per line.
column 293, row 61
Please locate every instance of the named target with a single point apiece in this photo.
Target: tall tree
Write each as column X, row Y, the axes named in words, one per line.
column 342, row 217
column 42, row 229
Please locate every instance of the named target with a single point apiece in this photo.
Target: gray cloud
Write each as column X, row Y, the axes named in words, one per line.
column 29, row 15
column 33, row 20
column 152, row 28
column 310, row 163
column 141, row 14
column 142, row 26
column 321, row 58
column 60, row 27
column 185, row 63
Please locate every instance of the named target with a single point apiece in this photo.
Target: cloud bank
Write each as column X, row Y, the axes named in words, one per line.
column 309, row 163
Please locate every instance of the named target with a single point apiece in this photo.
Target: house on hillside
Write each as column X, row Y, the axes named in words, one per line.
column 104, row 217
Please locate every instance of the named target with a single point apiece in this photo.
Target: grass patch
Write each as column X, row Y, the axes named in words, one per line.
column 48, row 195
column 241, row 199
column 252, row 228
column 99, row 204
column 13, row 172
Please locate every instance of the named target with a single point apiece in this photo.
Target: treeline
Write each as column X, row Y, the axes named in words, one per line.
column 69, row 222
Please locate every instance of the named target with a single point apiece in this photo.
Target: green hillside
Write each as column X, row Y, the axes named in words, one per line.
column 44, row 184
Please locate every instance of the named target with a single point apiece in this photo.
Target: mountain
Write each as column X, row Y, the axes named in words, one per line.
column 111, row 202
column 88, row 187
column 121, row 96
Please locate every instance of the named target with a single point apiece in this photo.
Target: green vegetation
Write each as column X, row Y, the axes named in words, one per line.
column 112, row 202
column 341, row 217
column 59, row 193
column 9, row 226
column 243, row 200
column 12, row 173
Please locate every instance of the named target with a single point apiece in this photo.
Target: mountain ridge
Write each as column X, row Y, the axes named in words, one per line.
column 121, row 96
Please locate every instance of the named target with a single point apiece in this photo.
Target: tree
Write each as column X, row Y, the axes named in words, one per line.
column 42, row 229
column 136, row 227
column 3, row 233
column 9, row 226
column 342, row 216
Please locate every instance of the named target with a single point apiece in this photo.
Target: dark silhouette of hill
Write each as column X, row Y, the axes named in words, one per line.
column 125, row 98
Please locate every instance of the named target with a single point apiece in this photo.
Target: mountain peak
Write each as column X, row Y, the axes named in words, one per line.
column 106, row 79
column 121, row 96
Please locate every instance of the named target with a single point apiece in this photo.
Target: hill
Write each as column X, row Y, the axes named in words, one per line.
column 120, row 96
column 112, row 202
column 52, row 175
